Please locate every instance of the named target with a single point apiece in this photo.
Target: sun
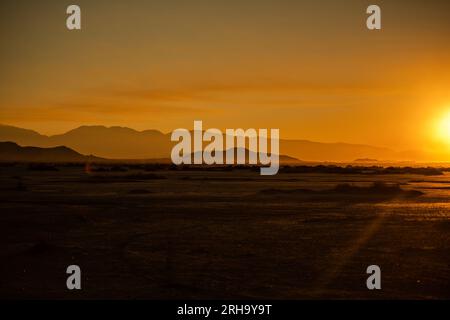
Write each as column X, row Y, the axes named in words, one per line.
column 443, row 129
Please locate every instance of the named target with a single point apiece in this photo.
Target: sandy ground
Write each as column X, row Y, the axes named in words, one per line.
column 230, row 234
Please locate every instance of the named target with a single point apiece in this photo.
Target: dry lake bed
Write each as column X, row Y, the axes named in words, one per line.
column 179, row 234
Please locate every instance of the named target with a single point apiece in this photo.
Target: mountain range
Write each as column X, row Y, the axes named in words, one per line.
column 125, row 143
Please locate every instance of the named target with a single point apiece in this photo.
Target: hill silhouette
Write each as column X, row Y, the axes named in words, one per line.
column 281, row 158
column 10, row 151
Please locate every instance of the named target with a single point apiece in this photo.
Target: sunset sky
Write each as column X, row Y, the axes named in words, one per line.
column 310, row 68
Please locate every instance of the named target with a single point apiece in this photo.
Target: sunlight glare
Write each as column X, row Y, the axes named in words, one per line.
column 444, row 128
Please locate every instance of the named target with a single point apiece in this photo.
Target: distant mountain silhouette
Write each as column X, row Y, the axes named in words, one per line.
column 281, row 158
column 10, row 151
column 112, row 142
column 366, row 160
column 126, row 143
column 21, row 136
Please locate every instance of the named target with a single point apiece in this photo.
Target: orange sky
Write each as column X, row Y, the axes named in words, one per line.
column 310, row 68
